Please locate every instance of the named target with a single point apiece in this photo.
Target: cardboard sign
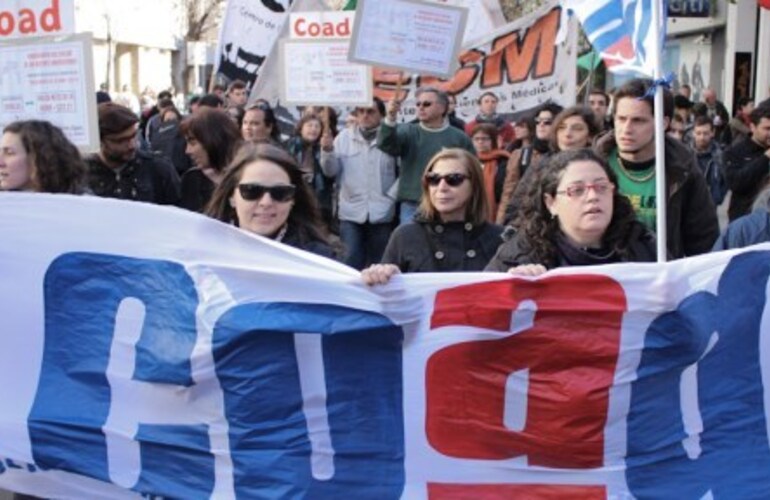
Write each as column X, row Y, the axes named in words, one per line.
column 407, row 35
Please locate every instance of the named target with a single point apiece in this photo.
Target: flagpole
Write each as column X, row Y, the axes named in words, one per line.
column 660, row 135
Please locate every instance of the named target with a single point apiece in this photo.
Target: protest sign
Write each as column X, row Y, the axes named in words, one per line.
column 51, row 79
column 248, row 32
column 33, row 18
column 214, row 363
column 318, row 72
column 408, row 35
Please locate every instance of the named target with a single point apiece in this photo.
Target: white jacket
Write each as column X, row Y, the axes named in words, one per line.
column 364, row 176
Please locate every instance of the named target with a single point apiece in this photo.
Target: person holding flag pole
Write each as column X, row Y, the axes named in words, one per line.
column 659, row 176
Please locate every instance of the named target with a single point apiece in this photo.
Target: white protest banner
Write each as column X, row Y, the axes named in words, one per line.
column 177, row 356
column 51, row 79
column 248, row 32
column 408, row 35
column 317, row 72
column 33, row 18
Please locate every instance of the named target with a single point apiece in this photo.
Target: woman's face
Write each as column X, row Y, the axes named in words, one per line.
column 583, row 203
column 573, row 134
column 521, row 130
column 449, row 201
column 543, row 125
column 254, row 128
column 15, row 168
column 264, row 216
column 311, row 131
column 197, row 153
column 482, row 142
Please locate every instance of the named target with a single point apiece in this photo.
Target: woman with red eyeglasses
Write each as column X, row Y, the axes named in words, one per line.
column 573, row 215
column 263, row 192
column 450, row 231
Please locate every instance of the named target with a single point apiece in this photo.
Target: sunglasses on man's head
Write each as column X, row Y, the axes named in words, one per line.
column 254, row 192
column 453, row 180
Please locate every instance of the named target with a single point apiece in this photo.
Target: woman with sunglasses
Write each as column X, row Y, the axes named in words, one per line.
column 263, row 192
column 573, row 215
column 527, row 159
column 450, row 231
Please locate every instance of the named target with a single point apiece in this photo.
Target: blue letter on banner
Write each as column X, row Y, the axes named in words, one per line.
column 83, row 292
column 731, row 456
column 256, row 359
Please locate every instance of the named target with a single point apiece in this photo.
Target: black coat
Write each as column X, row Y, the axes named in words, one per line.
column 513, row 252
column 423, row 247
column 746, row 169
column 147, row 177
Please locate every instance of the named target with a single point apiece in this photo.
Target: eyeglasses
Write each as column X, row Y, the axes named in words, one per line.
column 423, row 104
column 254, row 192
column 543, row 121
column 452, row 180
column 580, row 190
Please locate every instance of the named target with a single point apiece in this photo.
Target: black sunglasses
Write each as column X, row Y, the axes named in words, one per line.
column 423, row 104
column 254, row 192
column 453, row 180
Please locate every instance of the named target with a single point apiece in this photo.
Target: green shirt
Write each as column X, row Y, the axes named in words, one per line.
column 414, row 146
column 639, row 188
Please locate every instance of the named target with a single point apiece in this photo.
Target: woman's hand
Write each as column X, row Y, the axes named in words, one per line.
column 528, row 270
column 379, row 274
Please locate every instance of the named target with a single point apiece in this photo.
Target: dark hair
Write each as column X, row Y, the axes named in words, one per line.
column 487, row 128
column 305, row 216
column 761, row 111
column 380, row 105
column 681, row 101
column 700, row 109
column 114, row 119
column 165, row 102
column 528, row 121
column 55, row 163
column 164, row 94
column 236, row 85
column 268, row 116
column 216, row 132
column 677, row 118
column 584, row 112
column 742, row 101
column 211, row 101
column 488, row 93
column 540, row 229
column 477, row 207
column 194, row 100
column 638, row 88
column 549, row 106
column 703, row 120
column 308, row 118
column 601, row 93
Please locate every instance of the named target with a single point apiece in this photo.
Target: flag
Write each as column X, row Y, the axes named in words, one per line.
column 623, row 33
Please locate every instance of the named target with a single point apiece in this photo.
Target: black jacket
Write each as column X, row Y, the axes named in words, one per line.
column 423, row 247
column 691, row 218
column 746, row 171
column 146, row 178
column 513, row 252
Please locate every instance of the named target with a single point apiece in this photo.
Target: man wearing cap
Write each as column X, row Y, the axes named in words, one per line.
column 121, row 170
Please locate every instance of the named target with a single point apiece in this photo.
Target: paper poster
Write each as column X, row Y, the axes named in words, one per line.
column 51, row 79
column 318, row 73
column 409, row 36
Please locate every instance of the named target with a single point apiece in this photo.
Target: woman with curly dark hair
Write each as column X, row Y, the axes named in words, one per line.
column 212, row 141
column 263, row 192
column 573, row 215
column 36, row 156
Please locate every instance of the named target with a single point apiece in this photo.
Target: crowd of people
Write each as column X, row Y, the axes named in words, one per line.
column 556, row 187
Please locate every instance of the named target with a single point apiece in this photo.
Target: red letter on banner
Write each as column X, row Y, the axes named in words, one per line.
column 570, row 352
column 438, row 491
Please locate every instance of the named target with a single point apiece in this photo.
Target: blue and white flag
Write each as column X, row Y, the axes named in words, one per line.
column 622, row 32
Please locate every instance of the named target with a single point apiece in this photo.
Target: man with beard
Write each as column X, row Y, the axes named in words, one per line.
column 121, row 170
column 691, row 220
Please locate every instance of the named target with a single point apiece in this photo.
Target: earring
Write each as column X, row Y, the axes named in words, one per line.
column 553, row 215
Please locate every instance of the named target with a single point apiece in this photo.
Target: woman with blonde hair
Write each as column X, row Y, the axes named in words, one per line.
column 450, row 231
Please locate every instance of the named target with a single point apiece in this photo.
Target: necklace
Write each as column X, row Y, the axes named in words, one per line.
column 635, row 177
